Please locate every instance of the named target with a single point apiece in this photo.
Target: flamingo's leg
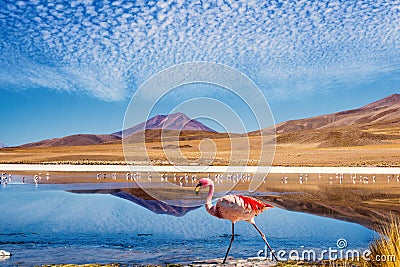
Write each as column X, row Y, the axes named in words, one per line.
column 230, row 244
column 265, row 240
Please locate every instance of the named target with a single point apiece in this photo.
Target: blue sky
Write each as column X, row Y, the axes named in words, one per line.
column 72, row 66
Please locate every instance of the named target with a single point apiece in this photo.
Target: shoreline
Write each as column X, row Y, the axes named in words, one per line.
column 198, row 169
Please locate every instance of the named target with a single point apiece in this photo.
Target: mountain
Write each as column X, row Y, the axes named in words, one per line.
column 370, row 124
column 375, row 123
column 2, row 145
column 176, row 121
column 381, row 112
column 384, row 102
column 75, row 140
column 177, row 124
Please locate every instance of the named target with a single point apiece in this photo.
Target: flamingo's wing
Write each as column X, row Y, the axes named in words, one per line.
column 237, row 208
column 256, row 205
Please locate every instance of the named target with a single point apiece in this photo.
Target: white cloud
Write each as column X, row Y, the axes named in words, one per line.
column 286, row 47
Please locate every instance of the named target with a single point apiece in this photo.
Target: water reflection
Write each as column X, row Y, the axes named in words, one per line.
column 140, row 197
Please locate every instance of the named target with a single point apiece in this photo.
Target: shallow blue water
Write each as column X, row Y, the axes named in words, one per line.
column 47, row 225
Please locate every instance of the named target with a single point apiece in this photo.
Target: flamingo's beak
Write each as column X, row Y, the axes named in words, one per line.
column 197, row 190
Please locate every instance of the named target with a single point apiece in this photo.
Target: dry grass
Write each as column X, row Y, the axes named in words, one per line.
column 221, row 151
column 386, row 249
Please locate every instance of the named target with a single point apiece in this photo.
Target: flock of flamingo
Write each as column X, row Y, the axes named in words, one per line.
column 188, row 180
column 361, row 179
column 182, row 180
column 7, row 178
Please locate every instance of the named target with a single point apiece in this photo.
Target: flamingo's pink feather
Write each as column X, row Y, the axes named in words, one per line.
column 238, row 208
column 233, row 207
column 255, row 204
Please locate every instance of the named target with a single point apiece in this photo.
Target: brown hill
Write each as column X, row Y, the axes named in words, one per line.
column 176, row 121
column 154, row 135
column 334, row 138
column 75, row 140
column 371, row 124
column 384, row 112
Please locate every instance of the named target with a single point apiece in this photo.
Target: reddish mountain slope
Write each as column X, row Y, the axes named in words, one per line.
column 371, row 124
column 75, row 140
column 176, row 121
column 384, row 112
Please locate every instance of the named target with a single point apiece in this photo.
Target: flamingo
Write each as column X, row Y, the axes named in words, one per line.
column 4, row 254
column 234, row 208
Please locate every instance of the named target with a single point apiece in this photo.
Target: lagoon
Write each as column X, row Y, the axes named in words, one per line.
column 45, row 224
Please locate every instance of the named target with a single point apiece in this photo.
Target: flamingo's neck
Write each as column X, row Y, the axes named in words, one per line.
column 209, row 197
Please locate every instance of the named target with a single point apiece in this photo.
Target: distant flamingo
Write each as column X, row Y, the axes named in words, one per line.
column 234, row 208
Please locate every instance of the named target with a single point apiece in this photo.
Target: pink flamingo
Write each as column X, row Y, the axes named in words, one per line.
column 234, row 208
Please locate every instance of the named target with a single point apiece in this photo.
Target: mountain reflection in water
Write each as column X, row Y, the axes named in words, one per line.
column 140, row 197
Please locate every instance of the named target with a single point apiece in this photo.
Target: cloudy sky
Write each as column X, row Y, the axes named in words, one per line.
column 72, row 66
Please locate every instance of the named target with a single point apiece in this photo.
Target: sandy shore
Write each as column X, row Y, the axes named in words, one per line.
column 236, row 263
column 197, row 169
